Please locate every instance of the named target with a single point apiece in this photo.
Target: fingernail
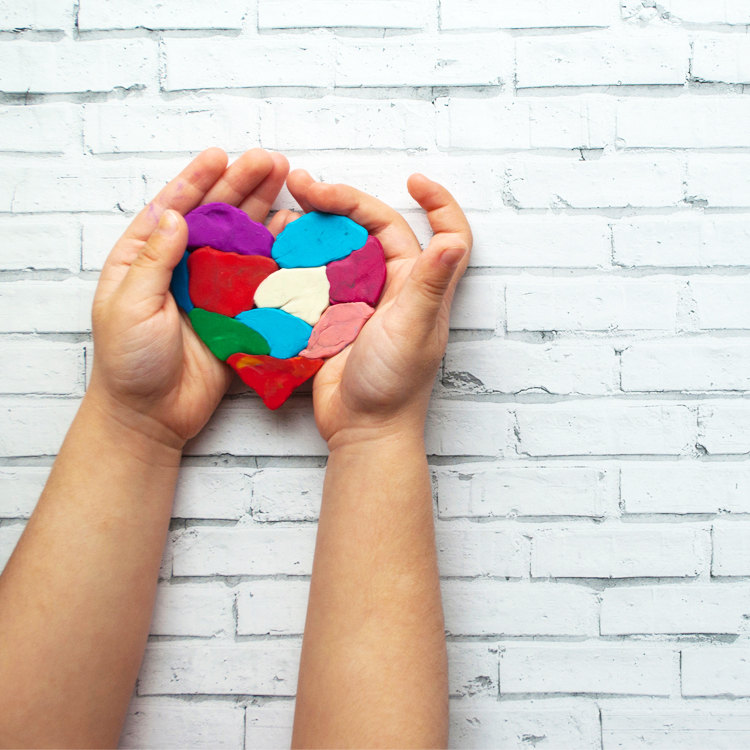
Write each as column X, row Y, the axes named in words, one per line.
column 452, row 256
column 168, row 223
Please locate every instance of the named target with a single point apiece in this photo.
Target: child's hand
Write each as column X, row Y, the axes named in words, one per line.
column 381, row 384
column 151, row 371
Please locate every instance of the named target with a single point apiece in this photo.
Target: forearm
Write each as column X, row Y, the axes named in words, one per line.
column 77, row 595
column 373, row 671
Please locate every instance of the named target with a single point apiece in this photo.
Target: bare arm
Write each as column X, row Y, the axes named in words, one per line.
column 77, row 594
column 374, row 668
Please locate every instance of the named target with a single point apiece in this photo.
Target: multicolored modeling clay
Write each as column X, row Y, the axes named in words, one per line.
column 274, row 310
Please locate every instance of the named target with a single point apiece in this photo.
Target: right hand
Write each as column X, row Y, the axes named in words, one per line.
column 381, row 384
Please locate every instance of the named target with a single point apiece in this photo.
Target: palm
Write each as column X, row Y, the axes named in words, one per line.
column 147, row 354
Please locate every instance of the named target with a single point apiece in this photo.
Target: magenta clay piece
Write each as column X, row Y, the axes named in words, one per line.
column 360, row 277
column 224, row 227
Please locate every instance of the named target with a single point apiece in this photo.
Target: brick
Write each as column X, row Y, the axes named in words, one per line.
column 189, row 14
column 695, row 11
column 46, row 306
column 39, row 244
column 687, row 366
column 242, row 63
column 71, row 66
column 205, row 551
column 379, row 14
column 595, row 59
column 475, row 491
column 99, row 235
column 731, row 542
column 464, row 553
column 721, row 303
column 562, row 668
column 620, row 552
column 174, row 725
column 479, row 608
column 724, row 58
column 718, row 180
column 188, row 610
column 591, row 305
column 469, row 179
column 39, row 129
column 40, row 15
column 221, row 669
column 119, row 127
column 588, row 429
column 42, row 367
column 522, row 124
column 289, row 432
column 486, row 14
column 475, row 304
column 680, row 488
column 20, row 488
column 445, row 61
column 204, row 492
column 613, row 181
column 330, row 123
column 502, row 366
column 700, row 122
column 723, row 428
column 287, row 494
column 517, row 728
column 270, row 725
column 713, row 670
column 34, row 427
column 705, row 241
column 9, row 536
column 472, row 670
column 674, row 610
column 272, row 607
column 460, row 428
column 675, row 728
column 511, row 241
column 71, row 189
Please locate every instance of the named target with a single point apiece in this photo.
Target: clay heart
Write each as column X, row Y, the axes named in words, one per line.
column 275, row 309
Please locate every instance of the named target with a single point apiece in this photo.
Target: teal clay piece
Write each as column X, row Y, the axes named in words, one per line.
column 316, row 239
column 286, row 334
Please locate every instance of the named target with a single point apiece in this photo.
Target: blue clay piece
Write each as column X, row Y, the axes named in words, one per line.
column 316, row 239
column 286, row 334
column 179, row 285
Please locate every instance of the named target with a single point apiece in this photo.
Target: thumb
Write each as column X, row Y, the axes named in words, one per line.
column 150, row 273
column 424, row 291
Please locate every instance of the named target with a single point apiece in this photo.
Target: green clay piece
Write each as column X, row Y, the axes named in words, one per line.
column 225, row 336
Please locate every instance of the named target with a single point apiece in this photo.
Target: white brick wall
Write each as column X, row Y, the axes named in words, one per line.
column 589, row 434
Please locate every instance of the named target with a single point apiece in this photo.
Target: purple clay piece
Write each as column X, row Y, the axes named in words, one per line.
column 224, row 227
column 360, row 277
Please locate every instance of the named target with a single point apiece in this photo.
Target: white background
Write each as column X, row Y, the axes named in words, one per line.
column 589, row 431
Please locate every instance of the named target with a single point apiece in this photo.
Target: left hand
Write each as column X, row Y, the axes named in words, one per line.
column 151, row 371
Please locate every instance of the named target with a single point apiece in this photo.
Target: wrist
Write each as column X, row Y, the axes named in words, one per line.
column 137, row 433
column 402, row 433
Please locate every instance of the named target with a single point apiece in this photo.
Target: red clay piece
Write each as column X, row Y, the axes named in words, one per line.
column 273, row 379
column 358, row 278
column 225, row 283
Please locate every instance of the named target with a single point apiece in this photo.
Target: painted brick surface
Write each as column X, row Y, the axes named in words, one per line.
column 588, row 432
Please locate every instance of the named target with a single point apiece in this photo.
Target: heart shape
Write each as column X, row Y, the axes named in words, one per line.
column 275, row 309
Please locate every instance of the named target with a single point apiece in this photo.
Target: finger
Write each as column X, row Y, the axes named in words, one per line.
column 443, row 212
column 241, row 178
column 277, row 225
column 259, row 202
column 424, row 292
column 147, row 281
column 298, row 182
column 377, row 217
column 182, row 194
